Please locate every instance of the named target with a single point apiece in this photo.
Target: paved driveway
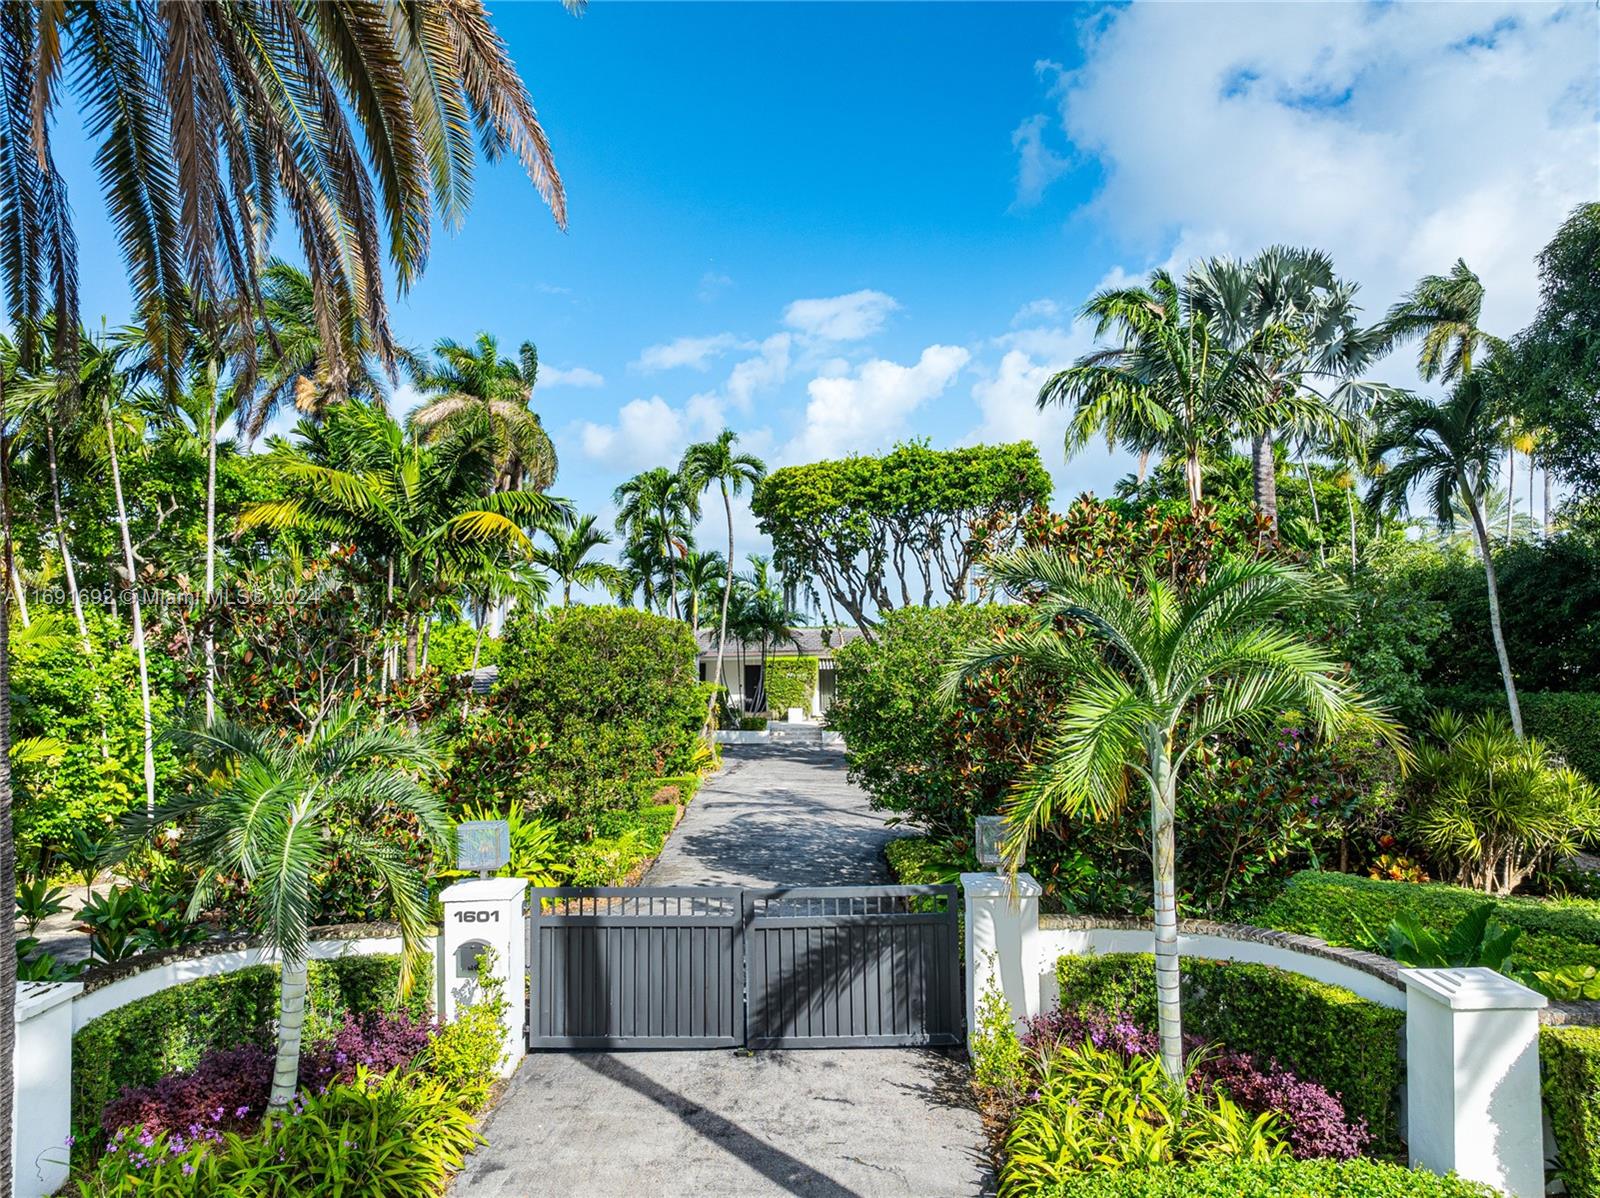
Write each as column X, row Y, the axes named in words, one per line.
column 845, row 1123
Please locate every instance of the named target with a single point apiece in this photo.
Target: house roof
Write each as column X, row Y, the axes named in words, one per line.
column 808, row 642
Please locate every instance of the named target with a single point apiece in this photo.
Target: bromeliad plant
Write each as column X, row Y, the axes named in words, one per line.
column 275, row 812
column 1154, row 671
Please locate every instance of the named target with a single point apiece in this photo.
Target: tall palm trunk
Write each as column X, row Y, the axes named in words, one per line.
column 8, row 864
column 69, row 571
column 16, row 587
column 211, row 541
column 1265, row 466
column 1494, row 609
column 1350, row 506
column 1164, row 856
column 1191, row 478
column 1511, row 491
column 727, row 590
column 478, row 617
column 427, row 638
column 291, row 1023
column 1316, row 509
column 1547, row 503
column 134, row 604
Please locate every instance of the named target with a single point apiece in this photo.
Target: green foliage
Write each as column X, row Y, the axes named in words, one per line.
column 535, row 853
column 138, row 1044
column 37, row 901
column 1570, row 1060
column 924, row 861
column 1342, row 908
column 752, row 723
column 1319, row 1032
column 1389, row 629
column 1570, row 983
column 997, row 1055
column 1566, row 721
column 857, row 525
column 790, row 682
column 1477, row 940
column 466, row 1055
column 601, row 695
column 1101, row 1111
column 1280, row 1178
column 402, row 1134
column 1493, row 808
column 450, row 648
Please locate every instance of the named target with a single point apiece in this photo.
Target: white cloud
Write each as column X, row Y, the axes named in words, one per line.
column 649, row 432
column 712, row 284
column 864, row 410
column 693, row 352
column 578, row 376
column 1038, row 165
column 1036, row 310
column 1397, row 137
column 851, row 317
column 766, row 370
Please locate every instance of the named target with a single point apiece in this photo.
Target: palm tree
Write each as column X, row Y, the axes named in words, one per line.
column 567, row 557
column 763, row 615
column 1301, row 318
column 8, row 852
column 1172, row 382
column 277, row 811
column 417, row 510
column 1449, row 451
column 703, row 578
column 211, row 122
column 658, row 508
column 705, row 463
column 489, row 581
column 1156, row 673
column 467, row 383
column 1443, row 311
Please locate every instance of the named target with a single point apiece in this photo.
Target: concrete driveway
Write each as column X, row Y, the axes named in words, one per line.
column 836, row 1123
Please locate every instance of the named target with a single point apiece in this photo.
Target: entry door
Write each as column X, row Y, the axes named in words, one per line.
column 752, row 686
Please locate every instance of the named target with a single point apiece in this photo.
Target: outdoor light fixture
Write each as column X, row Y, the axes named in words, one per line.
column 989, row 834
column 483, row 845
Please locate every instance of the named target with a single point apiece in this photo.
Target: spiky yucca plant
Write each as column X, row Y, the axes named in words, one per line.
column 1154, row 671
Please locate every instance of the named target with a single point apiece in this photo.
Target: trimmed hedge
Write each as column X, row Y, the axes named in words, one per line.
column 138, row 1044
column 925, row 861
column 1270, row 1179
column 1344, row 909
column 1322, row 1033
column 791, row 682
column 1570, row 1059
column 1567, row 721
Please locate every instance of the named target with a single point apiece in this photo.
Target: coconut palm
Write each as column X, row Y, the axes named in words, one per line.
column 1449, row 452
column 210, row 123
column 1171, row 382
column 1443, row 312
column 278, row 809
column 475, row 382
column 418, row 511
column 567, row 557
column 715, row 462
column 1156, row 672
column 658, row 508
column 703, row 579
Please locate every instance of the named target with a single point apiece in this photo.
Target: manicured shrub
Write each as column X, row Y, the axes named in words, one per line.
column 168, row 1032
column 604, row 695
column 1570, row 1059
column 403, row 1134
column 1344, row 909
column 790, row 682
column 924, row 861
column 1284, row 1178
column 1568, row 721
column 1320, row 1033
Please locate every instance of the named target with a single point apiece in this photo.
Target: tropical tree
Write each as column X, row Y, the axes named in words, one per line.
column 1442, row 311
column 1301, row 319
column 708, row 463
column 657, row 509
column 1154, row 671
column 567, row 557
column 466, row 383
column 275, row 812
column 703, row 579
column 1172, row 381
column 418, row 511
column 1447, row 451
column 762, row 614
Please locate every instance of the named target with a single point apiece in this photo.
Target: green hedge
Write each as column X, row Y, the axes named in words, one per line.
column 1568, row 721
column 791, row 682
column 1270, row 1179
column 1322, row 1033
column 1343, row 909
column 138, row 1044
column 926, row 861
column 1570, row 1058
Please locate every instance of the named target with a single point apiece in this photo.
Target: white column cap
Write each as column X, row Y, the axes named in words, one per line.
column 1475, row 988
column 485, row 890
column 1000, row 886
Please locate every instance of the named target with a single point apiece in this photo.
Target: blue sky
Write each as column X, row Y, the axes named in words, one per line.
column 832, row 226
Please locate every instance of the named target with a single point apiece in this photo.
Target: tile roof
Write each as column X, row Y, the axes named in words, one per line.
column 810, row 643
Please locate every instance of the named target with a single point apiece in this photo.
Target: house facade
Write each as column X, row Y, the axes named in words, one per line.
column 791, row 674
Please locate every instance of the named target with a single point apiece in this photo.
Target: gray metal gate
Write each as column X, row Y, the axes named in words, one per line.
column 693, row 967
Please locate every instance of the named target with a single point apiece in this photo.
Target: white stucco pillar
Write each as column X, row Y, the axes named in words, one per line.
column 1002, row 929
column 486, row 914
column 1472, row 1077
column 42, row 1114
